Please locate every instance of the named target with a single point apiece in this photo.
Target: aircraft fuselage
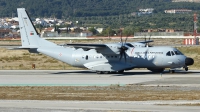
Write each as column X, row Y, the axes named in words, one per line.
column 136, row 57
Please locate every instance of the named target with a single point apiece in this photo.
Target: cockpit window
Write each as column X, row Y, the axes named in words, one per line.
column 168, row 53
column 178, row 53
column 172, row 53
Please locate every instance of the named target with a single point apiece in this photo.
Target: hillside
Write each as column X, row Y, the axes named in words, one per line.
column 80, row 8
column 107, row 13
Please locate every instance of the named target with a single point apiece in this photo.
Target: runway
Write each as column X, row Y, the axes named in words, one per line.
column 96, row 106
column 89, row 78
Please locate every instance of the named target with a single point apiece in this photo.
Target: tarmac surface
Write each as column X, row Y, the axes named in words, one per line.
column 89, row 78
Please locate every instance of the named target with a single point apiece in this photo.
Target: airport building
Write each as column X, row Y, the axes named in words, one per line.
column 175, row 11
column 197, row 1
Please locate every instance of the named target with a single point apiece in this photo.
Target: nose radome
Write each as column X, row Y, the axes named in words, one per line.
column 189, row 61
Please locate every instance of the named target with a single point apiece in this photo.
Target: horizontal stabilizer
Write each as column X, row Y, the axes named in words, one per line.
column 148, row 41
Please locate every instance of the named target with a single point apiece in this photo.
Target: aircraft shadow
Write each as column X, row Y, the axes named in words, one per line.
column 127, row 73
column 152, row 73
column 78, row 72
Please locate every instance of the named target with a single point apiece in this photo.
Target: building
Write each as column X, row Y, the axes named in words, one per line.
column 5, row 32
column 175, row 11
column 197, row 1
column 145, row 11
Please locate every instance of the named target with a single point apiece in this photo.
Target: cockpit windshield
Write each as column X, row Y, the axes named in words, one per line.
column 178, row 53
column 175, row 52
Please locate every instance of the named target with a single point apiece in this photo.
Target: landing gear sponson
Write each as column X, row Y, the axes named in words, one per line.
column 173, row 70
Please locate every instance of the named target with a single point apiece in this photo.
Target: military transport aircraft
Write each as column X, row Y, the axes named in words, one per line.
column 102, row 58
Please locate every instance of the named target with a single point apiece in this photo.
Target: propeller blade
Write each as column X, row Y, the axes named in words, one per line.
column 126, row 39
column 121, row 37
column 124, row 56
column 123, row 48
column 120, row 56
column 149, row 40
column 145, row 39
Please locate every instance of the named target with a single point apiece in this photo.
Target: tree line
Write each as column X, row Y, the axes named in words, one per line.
column 107, row 13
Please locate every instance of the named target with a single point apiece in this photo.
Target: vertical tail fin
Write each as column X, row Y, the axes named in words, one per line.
column 29, row 36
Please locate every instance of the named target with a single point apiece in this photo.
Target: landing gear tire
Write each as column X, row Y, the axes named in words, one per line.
column 186, row 69
column 99, row 72
column 102, row 72
column 106, row 72
column 171, row 71
column 121, row 71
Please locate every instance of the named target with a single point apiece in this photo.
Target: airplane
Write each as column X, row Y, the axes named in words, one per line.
column 102, row 58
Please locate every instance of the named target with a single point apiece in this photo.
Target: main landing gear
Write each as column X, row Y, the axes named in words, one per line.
column 102, row 72
column 108, row 72
column 171, row 71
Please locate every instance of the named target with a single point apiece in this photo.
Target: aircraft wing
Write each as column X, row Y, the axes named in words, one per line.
column 100, row 48
column 87, row 46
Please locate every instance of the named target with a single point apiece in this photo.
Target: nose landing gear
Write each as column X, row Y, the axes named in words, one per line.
column 173, row 70
column 186, row 68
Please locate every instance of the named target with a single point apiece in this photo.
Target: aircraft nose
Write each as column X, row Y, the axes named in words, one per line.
column 189, row 61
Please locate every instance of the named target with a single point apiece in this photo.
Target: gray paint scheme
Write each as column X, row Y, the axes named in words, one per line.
column 99, row 57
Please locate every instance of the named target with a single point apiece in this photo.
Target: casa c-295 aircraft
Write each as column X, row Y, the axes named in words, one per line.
column 102, row 58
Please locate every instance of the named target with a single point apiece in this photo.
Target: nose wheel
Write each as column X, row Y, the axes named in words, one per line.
column 186, row 68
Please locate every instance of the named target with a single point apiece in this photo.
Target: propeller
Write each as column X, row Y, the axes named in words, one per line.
column 123, row 48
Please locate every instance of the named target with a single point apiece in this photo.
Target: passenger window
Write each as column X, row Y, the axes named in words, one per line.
column 168, row 53
column 149, row 57
column 172, row 53
column 86, row 57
